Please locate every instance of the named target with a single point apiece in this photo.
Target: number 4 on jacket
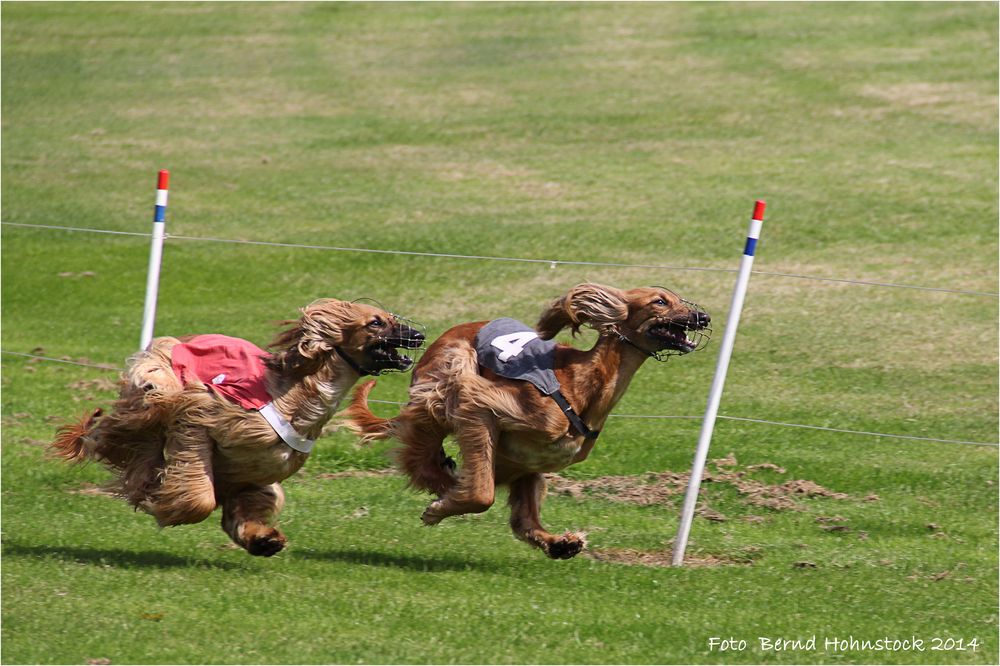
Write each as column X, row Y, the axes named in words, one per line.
column 512, row 344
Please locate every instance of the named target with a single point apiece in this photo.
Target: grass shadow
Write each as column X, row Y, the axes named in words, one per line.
column 400, row 561
column 126, row 559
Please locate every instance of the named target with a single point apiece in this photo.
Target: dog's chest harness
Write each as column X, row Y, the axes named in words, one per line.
column 234, row 369
column 512, row 349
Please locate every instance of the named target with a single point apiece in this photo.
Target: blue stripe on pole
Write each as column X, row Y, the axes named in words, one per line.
column 751, row 247
column 161, row 214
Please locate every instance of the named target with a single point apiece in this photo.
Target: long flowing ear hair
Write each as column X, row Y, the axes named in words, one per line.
column 596, row 305
column 302, row 348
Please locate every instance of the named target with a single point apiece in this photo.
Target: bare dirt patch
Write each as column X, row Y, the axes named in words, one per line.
column 660, row 487
column 357, row 474
column 644, row 490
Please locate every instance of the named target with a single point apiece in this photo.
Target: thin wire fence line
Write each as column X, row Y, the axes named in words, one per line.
column 99, row 366
column 814, row 427
column 620, row 416
column 775, row 423
column 551, row 262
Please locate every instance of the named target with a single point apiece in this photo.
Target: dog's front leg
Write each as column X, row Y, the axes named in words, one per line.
column 475, row 488
column 248, row 517
column 526, row 495
column 186, row 493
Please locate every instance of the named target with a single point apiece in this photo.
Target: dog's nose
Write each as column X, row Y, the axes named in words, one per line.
column 701, row 319
column 410, row 337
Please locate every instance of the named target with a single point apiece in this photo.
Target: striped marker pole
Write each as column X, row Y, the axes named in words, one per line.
column 155, row 253
column 718, row 382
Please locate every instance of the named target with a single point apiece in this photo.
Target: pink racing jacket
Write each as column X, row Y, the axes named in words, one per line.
column 231, row 367
column 234, row 369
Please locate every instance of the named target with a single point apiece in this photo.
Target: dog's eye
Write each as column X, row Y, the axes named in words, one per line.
column 660, row 301
column 376, row 324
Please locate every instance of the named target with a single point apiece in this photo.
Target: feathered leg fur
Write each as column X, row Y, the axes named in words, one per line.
column 526, row 495
column 127, row 441
column 186, row 493
column 248, row 516
column 474, row 490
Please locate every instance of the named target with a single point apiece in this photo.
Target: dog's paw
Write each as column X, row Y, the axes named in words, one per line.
column 433, row 514
column 145, row 505
column 567, row 546
column 267, row 545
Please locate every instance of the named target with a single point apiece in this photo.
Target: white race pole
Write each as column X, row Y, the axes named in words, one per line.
column 155, row 253
column 718, row 382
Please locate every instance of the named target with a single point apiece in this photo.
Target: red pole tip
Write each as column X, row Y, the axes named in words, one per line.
column 758, row 210
column 161, row 183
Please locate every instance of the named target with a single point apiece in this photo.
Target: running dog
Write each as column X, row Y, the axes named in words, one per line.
column 520, row 405
column 210, row 420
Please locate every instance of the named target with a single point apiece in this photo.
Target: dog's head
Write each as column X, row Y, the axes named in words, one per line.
column 367, row 337
column 654, row 319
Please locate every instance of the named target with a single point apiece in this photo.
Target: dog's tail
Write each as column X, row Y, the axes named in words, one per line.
column 71, row 439
column 358, row 418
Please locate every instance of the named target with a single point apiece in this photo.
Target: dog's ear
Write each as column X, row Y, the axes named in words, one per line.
column 323, row 324
column 304, row 346
column 290, row 355
column 592, row 304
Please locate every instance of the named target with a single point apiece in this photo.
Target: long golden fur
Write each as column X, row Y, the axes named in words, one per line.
column 179, row 451
column 507, row 432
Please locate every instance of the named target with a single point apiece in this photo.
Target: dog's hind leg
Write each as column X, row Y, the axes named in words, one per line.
column 248, row 517
column 186, row 493
column 526, row 495
column 474, row 489
column 422, row 457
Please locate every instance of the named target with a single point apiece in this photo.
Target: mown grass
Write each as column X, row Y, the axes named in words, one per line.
column 623, row 133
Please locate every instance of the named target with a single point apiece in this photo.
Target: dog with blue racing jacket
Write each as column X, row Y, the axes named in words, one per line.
column 520, row 405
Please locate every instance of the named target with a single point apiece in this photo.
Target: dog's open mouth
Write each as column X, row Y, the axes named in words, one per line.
column 386, row 356
column 386, row 352
column 675, row 337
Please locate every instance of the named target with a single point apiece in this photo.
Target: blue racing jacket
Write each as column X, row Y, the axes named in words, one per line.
column 512, row 349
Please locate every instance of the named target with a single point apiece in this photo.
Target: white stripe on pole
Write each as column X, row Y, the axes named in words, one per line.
column 718, row 382
column 155, row 254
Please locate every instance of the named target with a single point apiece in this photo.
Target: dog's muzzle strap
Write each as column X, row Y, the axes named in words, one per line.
column 574, row 418
column 285, row 430
column 354, row 364
column 627, row 341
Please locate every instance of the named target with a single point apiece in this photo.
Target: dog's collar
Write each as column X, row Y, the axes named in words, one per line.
column 354, row 364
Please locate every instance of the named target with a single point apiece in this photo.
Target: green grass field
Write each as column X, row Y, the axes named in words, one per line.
column 632, row 134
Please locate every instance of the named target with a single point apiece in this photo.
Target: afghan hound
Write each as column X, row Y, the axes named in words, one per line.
column 520, row 405
column 210, row 420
